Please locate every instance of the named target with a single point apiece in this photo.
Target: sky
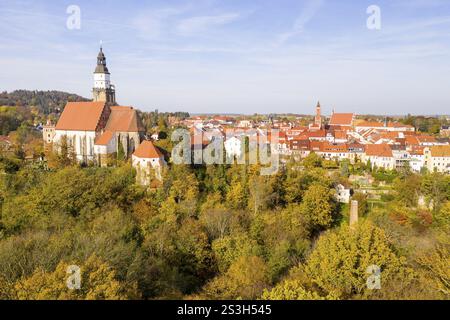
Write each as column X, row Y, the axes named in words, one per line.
column 236, row 56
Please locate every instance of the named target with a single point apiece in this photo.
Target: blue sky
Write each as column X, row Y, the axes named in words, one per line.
column 237, row 56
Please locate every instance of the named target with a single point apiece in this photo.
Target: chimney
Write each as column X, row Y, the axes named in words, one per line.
column 353, row 213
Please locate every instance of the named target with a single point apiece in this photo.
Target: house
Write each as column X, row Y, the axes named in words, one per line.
column 427, row 140
column 155, row 136
column 380, row 126
column 245, row 124
column 417, row 158
column 234, row 147
column 148, row 161
column 332, row 151
column 437, row 158
column 445, row 131
column 300, row 147
column 48, row 132
column 342, row 194
column 105, row 145
column 379, row 155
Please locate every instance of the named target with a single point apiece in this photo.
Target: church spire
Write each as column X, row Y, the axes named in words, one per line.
column 101, row 62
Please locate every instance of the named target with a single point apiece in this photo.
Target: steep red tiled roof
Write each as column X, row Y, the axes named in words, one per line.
column 104, row 139
column 411, row 140
column 379, row 150
column 124, row 119
column 147, row 150
column 80, row 116
column 341, row 119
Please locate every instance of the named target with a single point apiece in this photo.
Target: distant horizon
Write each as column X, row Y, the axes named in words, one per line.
column 246, row 114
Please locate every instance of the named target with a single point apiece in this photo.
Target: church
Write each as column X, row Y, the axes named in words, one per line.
column 101, row 129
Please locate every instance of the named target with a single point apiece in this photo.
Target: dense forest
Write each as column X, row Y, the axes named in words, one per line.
column 219, row 232
column 46, row 102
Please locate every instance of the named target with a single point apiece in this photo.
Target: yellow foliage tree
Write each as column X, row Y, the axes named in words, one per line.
column 98, row 282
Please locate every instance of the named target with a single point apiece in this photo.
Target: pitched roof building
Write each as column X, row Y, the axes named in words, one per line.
column 94, row 129
column 342, row 119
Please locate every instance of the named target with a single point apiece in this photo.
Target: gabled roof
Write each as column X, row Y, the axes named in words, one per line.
column 104, row 139
column 370, row 124
column 378, row 150
column 333, row 148
column 412, row 140
column 341, row 119
column 124, row 119
column 398, row 125
column 440, row 151
column 80, row 116
column 426, row 139
column 147, row 150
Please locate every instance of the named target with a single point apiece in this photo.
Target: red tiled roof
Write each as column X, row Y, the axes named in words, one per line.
column 411, row 140
column 379, row 150
column 333, row 148
column 147, row 150
column 370, row 124
column 341, row 119
column 398, row 125
column 80, row 116
column 426, row 138
column 340, row 134
column 104, row 139
column 316, row 134
column 124, row 119
column 440, row 151
column 417, row 150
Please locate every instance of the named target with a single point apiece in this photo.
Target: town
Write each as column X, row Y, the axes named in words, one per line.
column 156, row 205
column 95, row 131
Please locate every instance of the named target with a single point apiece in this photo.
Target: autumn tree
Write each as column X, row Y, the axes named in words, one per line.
column 98, row 282
column 246, row 279
column 318, row 205
column 339, row 263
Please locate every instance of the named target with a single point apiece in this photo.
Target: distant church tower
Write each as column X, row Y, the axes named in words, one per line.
column 103, row 89
column 318, row 118
column 317, row 124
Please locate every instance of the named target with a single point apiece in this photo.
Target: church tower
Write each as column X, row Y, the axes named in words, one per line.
column 103, row 89
column 318, row 118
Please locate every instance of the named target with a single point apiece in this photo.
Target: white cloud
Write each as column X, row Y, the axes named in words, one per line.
column 201, row 23
column 309, row 11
